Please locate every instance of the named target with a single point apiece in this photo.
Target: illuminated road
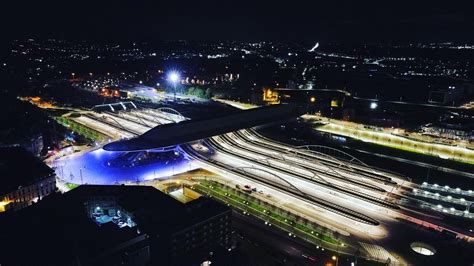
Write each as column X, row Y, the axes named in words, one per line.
column 421, row 164
column 390, row 140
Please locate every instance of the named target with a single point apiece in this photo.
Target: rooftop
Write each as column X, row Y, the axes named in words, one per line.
column 64, row 222
column 19, row 168
column 20, row 121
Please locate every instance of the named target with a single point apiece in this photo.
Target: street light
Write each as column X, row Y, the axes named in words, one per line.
column 173, row 77
column 373, row 105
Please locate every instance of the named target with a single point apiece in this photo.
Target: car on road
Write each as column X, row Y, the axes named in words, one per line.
column 247, row 188
column 309, row 257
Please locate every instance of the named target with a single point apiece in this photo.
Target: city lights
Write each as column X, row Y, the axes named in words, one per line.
column 354, row 149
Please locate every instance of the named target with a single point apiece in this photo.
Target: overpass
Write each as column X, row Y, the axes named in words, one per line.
column 169, row 135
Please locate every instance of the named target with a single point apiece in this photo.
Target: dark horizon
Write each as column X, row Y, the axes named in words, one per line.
column 348, row 22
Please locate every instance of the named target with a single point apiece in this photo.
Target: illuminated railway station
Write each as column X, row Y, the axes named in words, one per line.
column 361, row 204
column 122, row 121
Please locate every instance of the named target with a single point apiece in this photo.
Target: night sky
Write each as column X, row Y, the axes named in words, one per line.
column 291, row 20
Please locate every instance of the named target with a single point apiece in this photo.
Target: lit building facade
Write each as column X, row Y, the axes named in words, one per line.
column 24, row 179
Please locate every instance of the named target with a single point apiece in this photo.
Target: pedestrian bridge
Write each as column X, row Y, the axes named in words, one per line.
column 190, row 130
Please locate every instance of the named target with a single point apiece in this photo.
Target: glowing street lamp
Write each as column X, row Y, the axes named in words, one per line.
column 373, row 105
column 173, row 77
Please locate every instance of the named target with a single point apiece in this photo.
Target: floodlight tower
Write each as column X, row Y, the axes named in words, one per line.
column 173, row 77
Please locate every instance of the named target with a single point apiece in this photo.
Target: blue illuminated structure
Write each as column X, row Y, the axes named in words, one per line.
column 111, row 167
column 156, row 153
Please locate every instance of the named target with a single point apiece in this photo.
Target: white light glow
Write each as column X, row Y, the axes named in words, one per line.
column 173, row 77
column 314, row 47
